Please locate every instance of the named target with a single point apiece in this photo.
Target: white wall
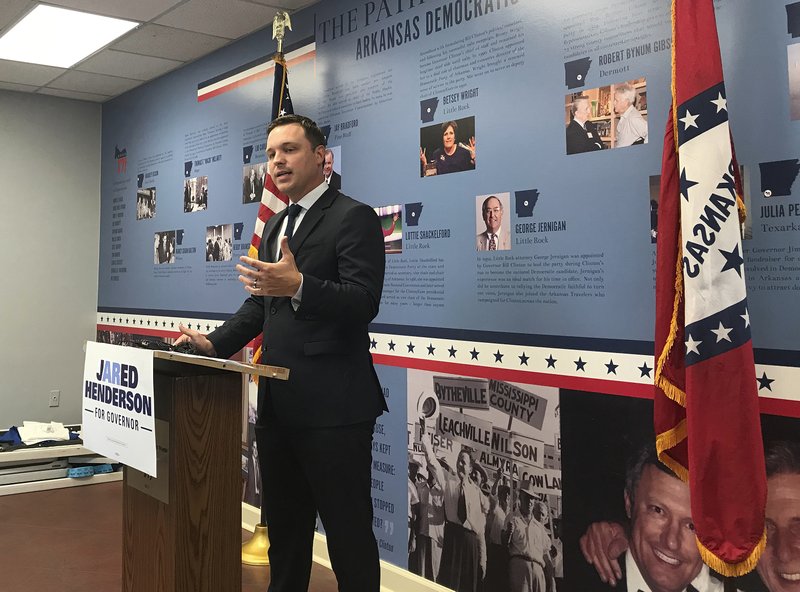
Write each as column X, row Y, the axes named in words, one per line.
column 49, row 240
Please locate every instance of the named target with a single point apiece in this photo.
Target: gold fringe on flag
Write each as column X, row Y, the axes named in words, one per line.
column 733, row 569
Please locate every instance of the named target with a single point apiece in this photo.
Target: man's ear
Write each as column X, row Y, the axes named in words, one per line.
column 319, row 152
column 628, row 504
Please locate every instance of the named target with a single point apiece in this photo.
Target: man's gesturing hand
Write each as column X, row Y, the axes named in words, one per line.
column 271, row 279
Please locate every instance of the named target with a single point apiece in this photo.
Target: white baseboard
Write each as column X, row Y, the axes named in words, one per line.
column 393, row 578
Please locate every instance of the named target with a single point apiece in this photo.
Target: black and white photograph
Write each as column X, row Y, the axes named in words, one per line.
column 195, row 194
column 636, row 525
column 146, row 203
column 448, row 147
column 164, row 247
column 253, row 182
column 484, row 483
column 219, row 242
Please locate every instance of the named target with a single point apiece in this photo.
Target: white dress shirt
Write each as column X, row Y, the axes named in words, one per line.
column 704, row 582
column 305, row 202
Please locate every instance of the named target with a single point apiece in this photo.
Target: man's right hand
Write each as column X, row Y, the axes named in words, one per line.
column 198, row 340
column 601, row 545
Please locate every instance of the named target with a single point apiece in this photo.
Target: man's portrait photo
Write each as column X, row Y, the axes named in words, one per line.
column 332, row 167
column 493, row 222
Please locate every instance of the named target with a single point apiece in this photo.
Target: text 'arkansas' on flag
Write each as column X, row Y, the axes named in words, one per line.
column 273, row 201
column 706, row 403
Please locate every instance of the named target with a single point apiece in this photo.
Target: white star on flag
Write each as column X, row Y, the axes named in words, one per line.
column 720, row 102
column 722, row 333
column 689, row 120
column 691, row 345
column 746, row 317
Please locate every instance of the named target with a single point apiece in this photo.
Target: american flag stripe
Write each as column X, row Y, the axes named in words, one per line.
column 272, row 202
column 251, row 72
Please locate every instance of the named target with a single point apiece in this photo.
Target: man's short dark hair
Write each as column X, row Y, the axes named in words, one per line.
column 783, row 458
column 645, row 455
column 452, row 124
column 313, row 134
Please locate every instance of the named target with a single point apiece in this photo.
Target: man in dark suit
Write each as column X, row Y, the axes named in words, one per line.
column 313, row 295
column 581, row 133
column 332, row 178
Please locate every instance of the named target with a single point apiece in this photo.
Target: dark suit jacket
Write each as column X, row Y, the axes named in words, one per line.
column 582, row 140
column 336, row 180
column 339, row 250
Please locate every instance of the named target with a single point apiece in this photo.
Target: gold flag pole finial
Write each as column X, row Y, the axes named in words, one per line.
column 280, row 23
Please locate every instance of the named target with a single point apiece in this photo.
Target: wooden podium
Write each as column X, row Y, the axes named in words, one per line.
column 182, row 530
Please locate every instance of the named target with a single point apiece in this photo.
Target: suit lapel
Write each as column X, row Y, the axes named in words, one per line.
column 311, row 219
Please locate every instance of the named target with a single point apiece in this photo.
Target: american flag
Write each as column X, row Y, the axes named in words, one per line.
column 272, row 200
column 706, row 402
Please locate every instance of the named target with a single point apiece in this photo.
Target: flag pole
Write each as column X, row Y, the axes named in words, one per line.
column 255, row 551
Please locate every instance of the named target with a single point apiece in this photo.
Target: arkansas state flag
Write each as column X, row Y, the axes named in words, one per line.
column 706, row 402
column 272, row 199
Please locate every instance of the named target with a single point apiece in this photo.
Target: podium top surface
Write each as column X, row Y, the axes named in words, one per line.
column 174, row 363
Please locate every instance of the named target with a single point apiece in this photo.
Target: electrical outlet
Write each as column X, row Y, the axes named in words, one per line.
column 55, row 398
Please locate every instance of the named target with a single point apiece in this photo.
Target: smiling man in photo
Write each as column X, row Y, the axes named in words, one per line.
column 662, row 554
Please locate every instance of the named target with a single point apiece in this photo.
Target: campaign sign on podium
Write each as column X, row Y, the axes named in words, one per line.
column 118, row 405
